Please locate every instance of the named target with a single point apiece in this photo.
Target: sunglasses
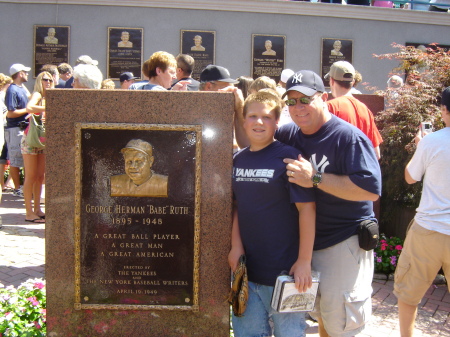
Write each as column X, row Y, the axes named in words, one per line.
column 302, row 100
column 47, row 80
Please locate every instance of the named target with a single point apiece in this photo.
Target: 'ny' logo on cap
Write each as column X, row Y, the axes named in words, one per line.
column 297, row 78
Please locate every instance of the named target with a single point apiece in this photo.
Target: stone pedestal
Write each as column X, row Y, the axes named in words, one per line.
column 130, row 259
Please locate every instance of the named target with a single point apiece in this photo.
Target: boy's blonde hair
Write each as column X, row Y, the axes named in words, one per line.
column 270, row 99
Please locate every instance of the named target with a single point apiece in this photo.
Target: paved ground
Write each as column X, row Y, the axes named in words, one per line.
column 22, row 256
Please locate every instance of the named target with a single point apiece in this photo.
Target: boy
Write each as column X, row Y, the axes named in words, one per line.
column 273, row 221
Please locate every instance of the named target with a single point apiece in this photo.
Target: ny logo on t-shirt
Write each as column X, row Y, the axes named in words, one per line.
column 322, row 164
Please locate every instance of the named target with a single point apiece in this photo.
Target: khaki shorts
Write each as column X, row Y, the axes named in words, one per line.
column 13, row 136
column 344, row 300
column 423, row 254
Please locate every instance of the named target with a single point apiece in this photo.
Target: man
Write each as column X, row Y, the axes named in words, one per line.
column 65, row 72
column 185, row 67
column 83, row 59
column 198, row 44
column 340, row 164
column 125, row 43
column 16, row 100
column 347, row 107
column 427, row 243
column 139, row 180
column 214, row 78
column 50, row 38
column 126, row 79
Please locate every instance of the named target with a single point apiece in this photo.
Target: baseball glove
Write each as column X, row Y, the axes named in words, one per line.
column 238, row 295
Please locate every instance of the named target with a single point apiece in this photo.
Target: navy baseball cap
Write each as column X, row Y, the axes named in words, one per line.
column 216, row 73
column 127, row 76
column 305, row 81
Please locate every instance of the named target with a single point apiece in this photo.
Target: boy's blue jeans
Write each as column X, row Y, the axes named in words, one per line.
column 255, row 322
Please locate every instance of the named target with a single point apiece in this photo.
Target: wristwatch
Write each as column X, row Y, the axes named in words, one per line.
column 317, row 179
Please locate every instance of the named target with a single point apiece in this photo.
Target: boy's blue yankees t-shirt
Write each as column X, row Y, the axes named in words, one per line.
column 268, row 217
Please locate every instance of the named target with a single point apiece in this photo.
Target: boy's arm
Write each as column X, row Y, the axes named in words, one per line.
column 307, row 226
column 237, row 248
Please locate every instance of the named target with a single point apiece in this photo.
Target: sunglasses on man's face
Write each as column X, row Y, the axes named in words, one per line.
column 47, row 80
column 302, row 100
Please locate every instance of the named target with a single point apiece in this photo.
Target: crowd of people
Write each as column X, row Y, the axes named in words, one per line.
column 305, row 176
column 422, row 5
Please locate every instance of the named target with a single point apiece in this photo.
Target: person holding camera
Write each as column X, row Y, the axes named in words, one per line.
column 427, row 245
column 16, row 99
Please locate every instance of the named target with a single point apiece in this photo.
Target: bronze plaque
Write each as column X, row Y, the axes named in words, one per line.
column 51, row 46
column 137, row 216
column 201, row 45
column 125, row 50
column 268, row 55
column 334, row 50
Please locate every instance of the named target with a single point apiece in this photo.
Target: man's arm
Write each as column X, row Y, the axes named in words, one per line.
column 16, row 113
column 239, row 132
column 338, row 185
column 237, row 248
column 408, row 177
column 307, row 227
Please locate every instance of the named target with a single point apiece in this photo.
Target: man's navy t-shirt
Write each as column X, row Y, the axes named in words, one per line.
column 16, row 98
column 268, row 217
column 339, row 148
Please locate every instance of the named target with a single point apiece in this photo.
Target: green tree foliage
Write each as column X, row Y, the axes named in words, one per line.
column 427, row 74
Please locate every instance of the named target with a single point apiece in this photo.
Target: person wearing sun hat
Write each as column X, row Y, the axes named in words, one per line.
column 339, row 163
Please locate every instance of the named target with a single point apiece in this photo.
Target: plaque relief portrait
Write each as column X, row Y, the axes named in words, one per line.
column 336, row 51
column 50, row 38
column 139, row 179
column 198, row 44
column 269, row 50
column 125, row 40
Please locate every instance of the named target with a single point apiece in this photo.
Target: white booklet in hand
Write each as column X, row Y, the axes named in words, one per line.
column 286, row 298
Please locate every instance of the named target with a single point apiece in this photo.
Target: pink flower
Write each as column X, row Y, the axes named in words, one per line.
column 39, row 285
column 393, row 260
column 33, row 300
column 398, row 247
column 379, row 259
column 383, row 247
column 37, row 325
